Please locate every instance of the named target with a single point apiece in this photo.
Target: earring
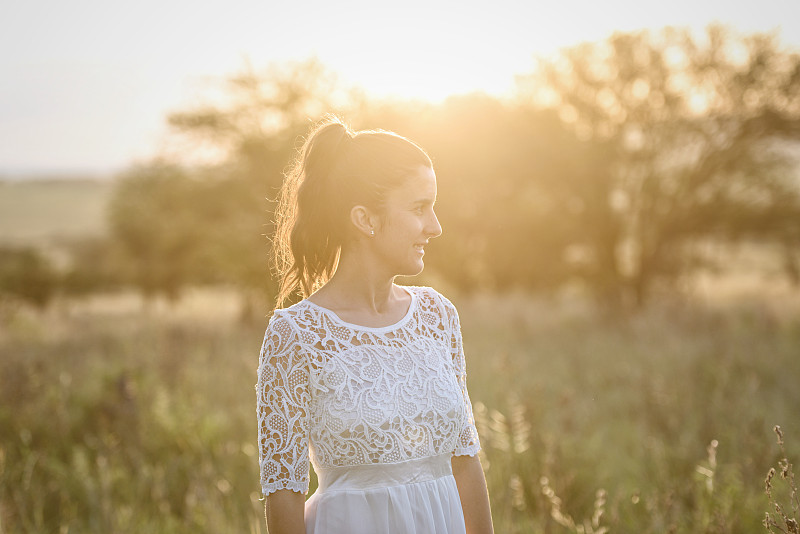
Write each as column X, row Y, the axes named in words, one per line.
column 372, row 233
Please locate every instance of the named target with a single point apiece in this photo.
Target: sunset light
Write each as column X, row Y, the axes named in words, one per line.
column 408, row 267
column 119, row 68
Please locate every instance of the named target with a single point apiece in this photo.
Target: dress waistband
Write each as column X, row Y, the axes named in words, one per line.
column 370, row 476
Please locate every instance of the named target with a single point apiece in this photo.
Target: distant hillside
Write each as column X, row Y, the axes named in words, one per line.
column 37, row 211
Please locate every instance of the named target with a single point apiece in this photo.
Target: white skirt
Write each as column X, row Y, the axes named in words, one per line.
column 413, row 497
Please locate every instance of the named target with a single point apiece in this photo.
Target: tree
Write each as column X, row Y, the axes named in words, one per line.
column 96, row 264
column 27, row 275
column 192, row 218
column 688, row 140
column 152, row 220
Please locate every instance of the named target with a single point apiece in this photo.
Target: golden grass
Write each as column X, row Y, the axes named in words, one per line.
column 42, row 211
column 122, row 417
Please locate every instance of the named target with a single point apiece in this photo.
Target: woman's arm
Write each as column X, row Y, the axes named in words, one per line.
column 282, row 398
column 474, row 496
column 284, row 512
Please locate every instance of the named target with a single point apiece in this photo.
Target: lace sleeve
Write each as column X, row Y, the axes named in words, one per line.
column 282, row 408
column 468, row 443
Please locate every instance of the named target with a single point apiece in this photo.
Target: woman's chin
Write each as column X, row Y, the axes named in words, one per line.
column 420, row 266
column 413, row 269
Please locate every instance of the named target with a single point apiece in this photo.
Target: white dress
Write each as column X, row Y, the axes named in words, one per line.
column 378, row 411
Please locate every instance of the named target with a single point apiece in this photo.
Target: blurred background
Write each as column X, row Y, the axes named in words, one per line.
column 619, row 187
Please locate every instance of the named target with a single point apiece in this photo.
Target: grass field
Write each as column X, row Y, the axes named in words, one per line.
column 39, row 211
column 117, row 416
column 119, row 420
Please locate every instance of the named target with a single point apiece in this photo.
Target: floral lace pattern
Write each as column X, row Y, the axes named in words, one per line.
column 344, row 395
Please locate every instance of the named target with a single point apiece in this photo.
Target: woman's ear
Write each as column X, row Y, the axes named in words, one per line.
column 363, row 220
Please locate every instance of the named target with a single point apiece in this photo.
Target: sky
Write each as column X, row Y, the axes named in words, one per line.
column 85, row 85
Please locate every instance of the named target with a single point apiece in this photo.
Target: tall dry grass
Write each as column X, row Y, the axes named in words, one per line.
column 117, row 420
column 784, row 501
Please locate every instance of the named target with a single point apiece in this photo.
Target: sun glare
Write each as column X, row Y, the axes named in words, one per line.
column 412, row 49
column 431, row 51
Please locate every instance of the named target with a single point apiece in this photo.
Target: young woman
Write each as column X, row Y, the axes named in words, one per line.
column 363, row 377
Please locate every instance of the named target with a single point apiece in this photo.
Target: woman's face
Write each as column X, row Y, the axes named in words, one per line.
column 408, row 223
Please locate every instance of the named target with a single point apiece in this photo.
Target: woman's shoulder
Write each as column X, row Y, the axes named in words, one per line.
column 280, row 325
column 287, row 319
column 304, row 319
column 294, row 311
column 428, row 296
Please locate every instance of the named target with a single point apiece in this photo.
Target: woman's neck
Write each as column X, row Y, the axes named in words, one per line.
column 358, row 286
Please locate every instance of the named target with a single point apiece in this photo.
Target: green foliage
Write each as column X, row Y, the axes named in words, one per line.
column 616, row 162
column 95, row 266
column 152, row 220
column 655, row 423
column 176, row 228
column 693, row 136
column 180, row 225
column 25, row 274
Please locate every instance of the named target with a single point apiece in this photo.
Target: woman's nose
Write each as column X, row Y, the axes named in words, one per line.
column 434, row 229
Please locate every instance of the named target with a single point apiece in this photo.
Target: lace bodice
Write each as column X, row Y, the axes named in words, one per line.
column 343, row 395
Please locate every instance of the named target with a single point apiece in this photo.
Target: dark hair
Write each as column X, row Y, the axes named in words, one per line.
column 335, row 170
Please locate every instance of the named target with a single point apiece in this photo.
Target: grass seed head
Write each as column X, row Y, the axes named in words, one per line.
column 768, row 481
column 779, row 433
column 786, row 468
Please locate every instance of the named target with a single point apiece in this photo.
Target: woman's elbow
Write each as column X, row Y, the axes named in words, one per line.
column 284, row 512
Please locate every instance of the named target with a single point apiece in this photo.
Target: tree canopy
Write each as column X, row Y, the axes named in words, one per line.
column 612, row 164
